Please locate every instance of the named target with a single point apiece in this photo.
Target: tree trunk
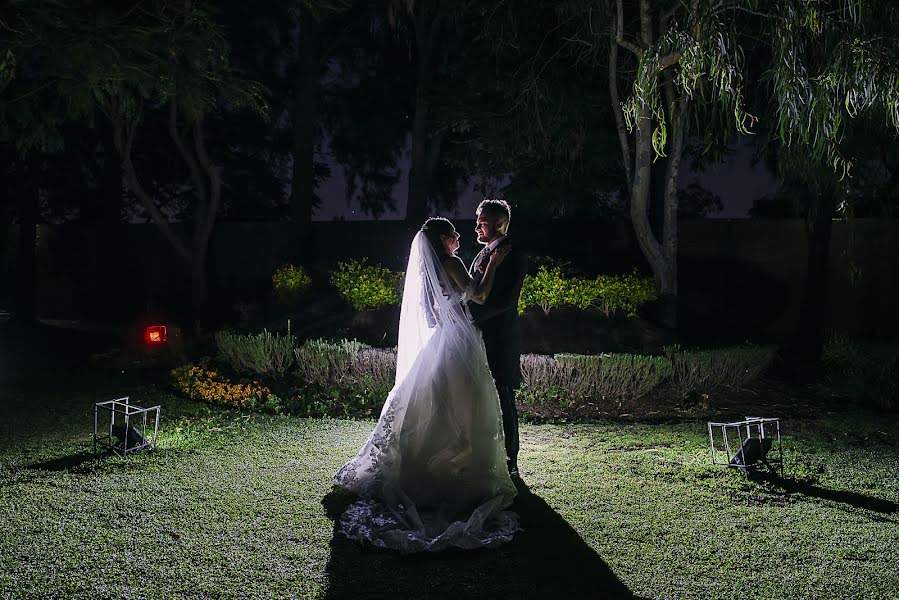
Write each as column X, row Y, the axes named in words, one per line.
column 25, row 299
column 663, row 266
column 209, row 194
column 307, row 90
column 112, row 219
column 678, row 123
column 101, row 213
column 207, row 180
column 199, row 296
column 661, row 256
column 417, row 202
column 425, row 145
column 813, row 318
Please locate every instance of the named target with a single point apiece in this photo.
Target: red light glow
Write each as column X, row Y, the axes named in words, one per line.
column 155, row 334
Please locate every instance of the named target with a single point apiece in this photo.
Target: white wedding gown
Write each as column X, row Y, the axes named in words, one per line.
column 433, row 472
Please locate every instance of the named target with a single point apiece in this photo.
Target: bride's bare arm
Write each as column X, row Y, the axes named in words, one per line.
column 457, row 272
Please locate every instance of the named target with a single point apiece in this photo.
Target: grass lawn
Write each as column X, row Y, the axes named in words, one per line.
column 234, row 504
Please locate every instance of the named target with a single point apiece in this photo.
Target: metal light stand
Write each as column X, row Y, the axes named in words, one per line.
column 750, row 454
column 135, row 427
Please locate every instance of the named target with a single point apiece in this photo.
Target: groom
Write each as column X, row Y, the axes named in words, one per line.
column 498, row 316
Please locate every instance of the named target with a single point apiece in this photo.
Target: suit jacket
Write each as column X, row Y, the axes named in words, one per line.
column 498, row 316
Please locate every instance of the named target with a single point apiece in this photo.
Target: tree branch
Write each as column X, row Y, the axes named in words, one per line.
column 619, row 32
column 192, row 165
column 123, row 138
column 623, row 139
column 433, row 154
column 669, row 60
column 213, row 172
column 645, row 24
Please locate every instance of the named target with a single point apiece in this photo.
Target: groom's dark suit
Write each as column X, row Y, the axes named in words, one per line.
column 498, row 320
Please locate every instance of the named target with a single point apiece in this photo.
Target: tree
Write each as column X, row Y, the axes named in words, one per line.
column 430, row 28
column 127, row 62
column 684, row 73
column 696, row 201
column 317, row 25
column 682, row 57
column 832, row 75
column 366, row 109
column 520, row 119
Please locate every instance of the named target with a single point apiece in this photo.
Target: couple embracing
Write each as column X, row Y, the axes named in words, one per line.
column 437, row 469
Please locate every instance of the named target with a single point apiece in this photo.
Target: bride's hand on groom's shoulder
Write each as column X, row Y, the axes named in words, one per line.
column 500, row 254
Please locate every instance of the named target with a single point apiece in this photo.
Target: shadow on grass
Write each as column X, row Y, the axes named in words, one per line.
column 104, row 460
column 546, row 560
column 72, row 462
column 794, row 486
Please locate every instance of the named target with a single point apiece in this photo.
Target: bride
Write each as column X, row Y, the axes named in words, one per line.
column 433, row 471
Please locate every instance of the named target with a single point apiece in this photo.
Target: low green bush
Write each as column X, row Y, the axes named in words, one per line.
column 366, row 286
column 265, row 353
column 626, row 293
column 289, row 282
column 540, row 376
column 550, row 288
column 862, row 372
column 697, row 371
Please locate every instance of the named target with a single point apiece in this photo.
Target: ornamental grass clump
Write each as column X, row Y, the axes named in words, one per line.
column 366, row 286
column 696, row 371
column 326, row 363
column 375, row 368
column 266, row 353
column 614, row 376
column 569, row 380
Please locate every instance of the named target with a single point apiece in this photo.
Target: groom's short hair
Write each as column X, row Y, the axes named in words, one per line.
column 497, row 207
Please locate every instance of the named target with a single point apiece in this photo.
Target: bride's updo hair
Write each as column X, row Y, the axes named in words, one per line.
column 433, row 228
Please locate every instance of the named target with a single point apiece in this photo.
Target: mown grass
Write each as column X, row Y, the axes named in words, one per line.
column 235, row 504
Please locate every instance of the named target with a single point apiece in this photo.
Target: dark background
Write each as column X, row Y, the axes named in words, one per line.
column 739, row 279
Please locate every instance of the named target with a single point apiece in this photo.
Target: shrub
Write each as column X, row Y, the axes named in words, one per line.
column 550, row 288
column 625, row 292
column 539, row 374
column 546, row 289
column 374, row 368
column 265, row 353
column 199, row 382
column 695, row 371
column 862, row 372
column 326, row 363
column 289, row 282
column 366, row 286
column 569, row 379
column 347, row 378
column 616, row 376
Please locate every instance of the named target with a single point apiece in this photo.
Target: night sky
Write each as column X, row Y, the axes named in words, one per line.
column 735, row 180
